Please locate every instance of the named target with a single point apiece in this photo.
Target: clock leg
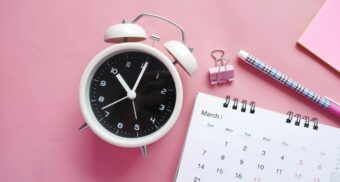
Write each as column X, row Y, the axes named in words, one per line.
column 144, row 151
column 83, row 127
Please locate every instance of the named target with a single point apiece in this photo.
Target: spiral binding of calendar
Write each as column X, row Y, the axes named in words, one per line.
column 296, row 119
column 234, row 104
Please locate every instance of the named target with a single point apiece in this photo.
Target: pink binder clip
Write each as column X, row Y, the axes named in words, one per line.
column 222, row 72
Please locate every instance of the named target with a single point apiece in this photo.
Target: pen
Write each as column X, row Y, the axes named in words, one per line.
column 324, row 102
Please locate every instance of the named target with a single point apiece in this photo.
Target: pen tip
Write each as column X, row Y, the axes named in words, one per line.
column 243, row 54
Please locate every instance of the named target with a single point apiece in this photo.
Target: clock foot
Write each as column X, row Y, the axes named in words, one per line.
column 144, row 151
column 83, row 127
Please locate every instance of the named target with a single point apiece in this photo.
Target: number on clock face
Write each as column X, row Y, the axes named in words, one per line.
column 155, row 94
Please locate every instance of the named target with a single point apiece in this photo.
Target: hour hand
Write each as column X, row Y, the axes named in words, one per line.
column 123, row 83
column 130, row 94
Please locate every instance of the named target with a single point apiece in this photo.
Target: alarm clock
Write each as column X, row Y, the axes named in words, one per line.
column 131, row 93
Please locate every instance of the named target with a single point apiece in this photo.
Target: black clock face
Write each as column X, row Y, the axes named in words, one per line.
column 132, row 94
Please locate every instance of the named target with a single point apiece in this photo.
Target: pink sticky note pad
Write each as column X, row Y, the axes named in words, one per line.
column 322, row 36
column 221, row 75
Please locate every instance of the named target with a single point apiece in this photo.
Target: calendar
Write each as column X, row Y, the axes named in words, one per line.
column 231, row 140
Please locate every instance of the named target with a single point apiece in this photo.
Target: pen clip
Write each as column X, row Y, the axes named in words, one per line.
column 333, row 101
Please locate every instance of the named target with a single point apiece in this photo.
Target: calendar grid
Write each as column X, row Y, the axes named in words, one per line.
column 226, row 144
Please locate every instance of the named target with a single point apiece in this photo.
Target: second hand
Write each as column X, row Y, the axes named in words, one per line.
column 134, row 108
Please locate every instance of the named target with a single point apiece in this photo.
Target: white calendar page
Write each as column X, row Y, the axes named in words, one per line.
column 224, row 144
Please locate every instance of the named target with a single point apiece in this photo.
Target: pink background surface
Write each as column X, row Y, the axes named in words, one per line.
column 322, row 37
column 45, row 46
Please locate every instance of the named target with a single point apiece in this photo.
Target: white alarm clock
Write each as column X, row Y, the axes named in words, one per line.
column 131, row 93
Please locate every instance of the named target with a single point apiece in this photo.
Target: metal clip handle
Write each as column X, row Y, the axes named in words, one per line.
column 219, row 61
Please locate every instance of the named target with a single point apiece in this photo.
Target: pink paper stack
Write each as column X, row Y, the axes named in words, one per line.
column 322, row 37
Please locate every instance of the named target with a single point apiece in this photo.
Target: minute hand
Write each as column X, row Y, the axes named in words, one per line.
column 140, row 76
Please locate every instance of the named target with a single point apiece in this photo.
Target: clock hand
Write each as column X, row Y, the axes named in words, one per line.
column 115, row 102
column 131, row 94
column 140, row 76
column 123, row 83
column 134, row 109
